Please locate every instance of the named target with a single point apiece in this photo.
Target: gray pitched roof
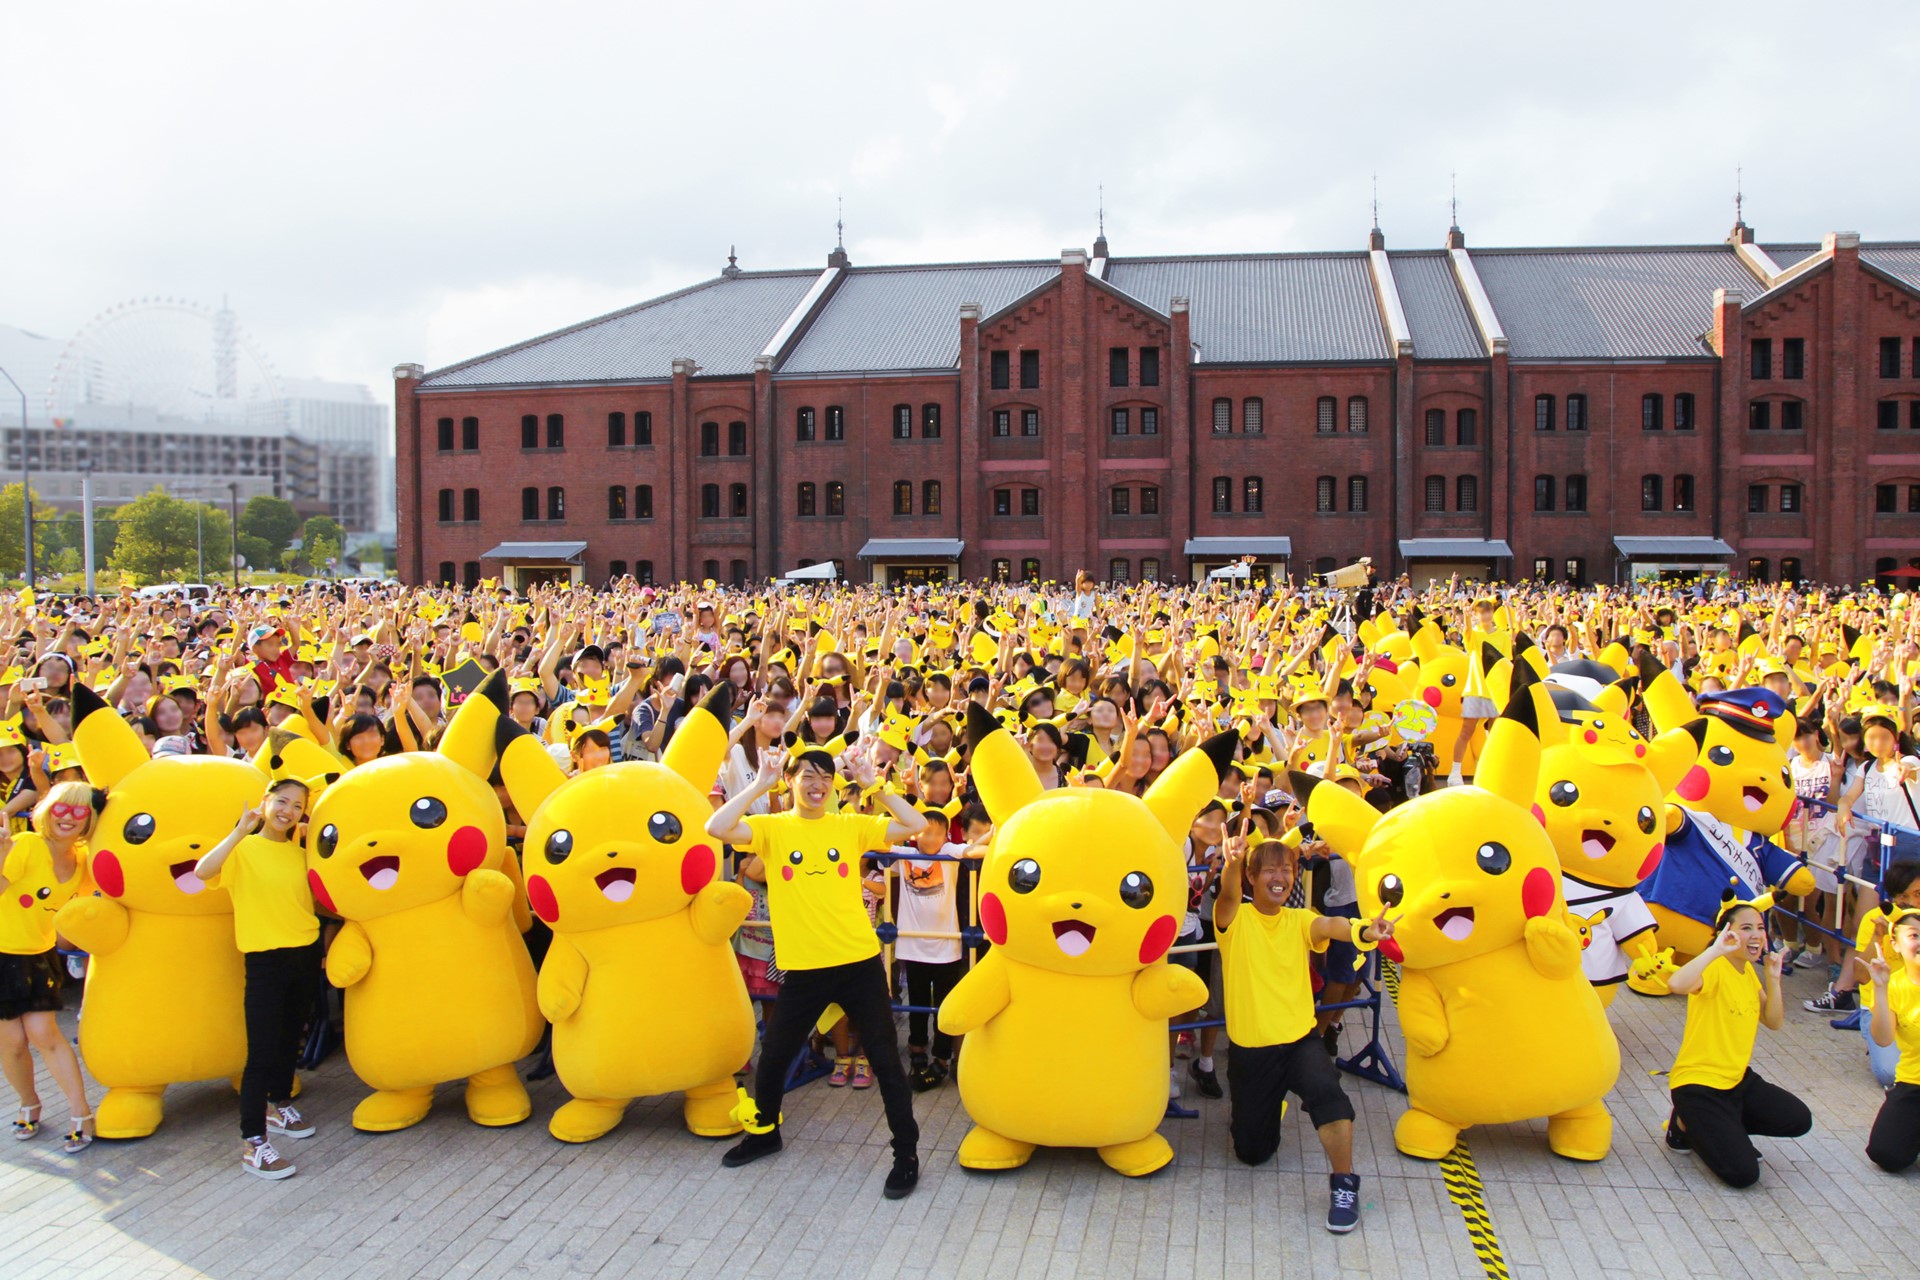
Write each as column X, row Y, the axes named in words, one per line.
column 1788, row 254
column 893, row 318
column 1901, row 261
column 1609, row 304
column 1268, row 308
column 722, row 324
column 1437, row 314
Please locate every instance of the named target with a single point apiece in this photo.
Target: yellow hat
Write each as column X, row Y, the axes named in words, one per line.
column 63, row 755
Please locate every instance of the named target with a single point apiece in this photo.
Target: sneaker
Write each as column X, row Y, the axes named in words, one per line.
column 862, row 1073
column 287, row 1121
column 751, row 1148
column 1848, row 1021
column 1208, row 1081
column 842, row 1067
column 1676, row 1136
column 903, row 1178
column 1343, row 1204
column 262, row 1161
column 925, row 1078
column 1833, row 1002
column 1792, row 957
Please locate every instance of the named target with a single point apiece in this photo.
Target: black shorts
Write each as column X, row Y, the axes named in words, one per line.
column 29, row 984
column 1259, row 1078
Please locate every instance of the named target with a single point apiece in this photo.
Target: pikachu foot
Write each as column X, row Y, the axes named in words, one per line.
column 985, row 1149
column 709, row 1110
column 128, row 1113
column 391, row 1110
column 585, row 1119
column 1140, row 1157
column 1585, row 1133
column 1424, row 1136
column 496, row 1097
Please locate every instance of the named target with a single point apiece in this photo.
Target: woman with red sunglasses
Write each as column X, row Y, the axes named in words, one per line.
column 41, row 870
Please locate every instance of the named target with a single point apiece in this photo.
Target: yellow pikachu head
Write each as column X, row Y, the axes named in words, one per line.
column 406, row 830
column 1086, row 881
column 162, row 814
column 1739, row 773
column 1602, row 788
column 624, row 843
column 1461, row 870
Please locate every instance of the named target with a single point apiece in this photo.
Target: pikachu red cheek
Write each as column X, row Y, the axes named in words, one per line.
column 1536, row 893
column 786, row 873
column 540, row 898
column 320, row 894
column 466, row 850
column 1160, row 935
column 112, row 879
column 1695, row 785
column 696, row 869
column 993, row 918
column 1653, row 860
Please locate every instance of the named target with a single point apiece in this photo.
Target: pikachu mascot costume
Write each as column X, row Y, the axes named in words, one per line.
column 1501, row 1024
column 618, row 864
column 1066, row 1017
column 411, row 851
column 166, row 982
column 1601, row 787
column 1735, row 795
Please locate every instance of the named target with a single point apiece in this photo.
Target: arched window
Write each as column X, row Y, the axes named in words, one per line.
column 804, row 503
column 903, row 497
column 1323, row 494
column 1436, row 426
column 1118, row 569
column 1029, row 502
column 1149, row 502
column 530, row 431
column 1150, row 569
column 929, row 422
column 1436, row 493
column 1757, row 568
column 903, row 422
column 1222, row 494
column 710, row 570
column 446, row 435
column 617, row 437
column 1466, row 427
column 1543, row 493
column 1251, row 494
column 470, row 434
column 1356, row 414
column 709, row 502
column 836, row 498
column 1030, row 570
column 1789, row 565
column 1652, row 489
column 738, row 572
column 529, row 503
column 556, row 503
column 738, row 501
column 737, row 439
column 617, row 502
column 1252, row 416
column 447, row 579
column 1356, row 493
column 1543, row 413
column 929, row 497
column 1222, row 416
column 803, row 424
column 1323, row 415
column 470, row 574
column 1576, row 491
column 643, row 436
column 556, row 431
column 643, row 572
column 1683, row 493
column 1120, row 501
column 616, row 570
column 1325, row 565
column 1003, row 570
column 470, row 504
column 1650, row 415
column 836, row 422
column 1683, row 413
column 1576, row 413
column 643, row 502
column 709, row 439
column 1466, row 493
column 446, row 505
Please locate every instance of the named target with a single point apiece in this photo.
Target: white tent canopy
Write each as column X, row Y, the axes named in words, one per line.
column 1231, row 571
column 822, row 572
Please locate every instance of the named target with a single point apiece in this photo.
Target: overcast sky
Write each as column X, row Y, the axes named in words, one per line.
column 378, row 183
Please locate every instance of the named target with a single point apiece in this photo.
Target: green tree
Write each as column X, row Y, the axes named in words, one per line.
column 259, row 553
column 157, row 537
column 273, row 521
column 13, row 532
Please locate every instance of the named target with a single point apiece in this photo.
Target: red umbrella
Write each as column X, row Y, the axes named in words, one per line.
column 1903, row 572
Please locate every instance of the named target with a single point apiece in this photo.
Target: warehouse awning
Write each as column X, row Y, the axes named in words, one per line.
column 1672, row 548
column 1223, row 548
column 538, row 552
column 1454, row 549
column 912, row 549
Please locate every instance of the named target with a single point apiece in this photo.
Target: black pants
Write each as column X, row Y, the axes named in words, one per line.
column 280, row 986
column 1718, row 1123
column 928, row 983
column 1894, row 1143
column 860, row 989
column 1259, row 1078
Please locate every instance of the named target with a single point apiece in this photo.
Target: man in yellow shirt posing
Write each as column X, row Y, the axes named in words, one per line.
column 265, row 872
column 823, row 940
column 1271, row 1046
column 1894, row 1143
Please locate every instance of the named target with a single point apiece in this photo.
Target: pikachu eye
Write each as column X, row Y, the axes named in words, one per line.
column 1494, row 858
column 664, row 827
column 796, row 857
column 44, row 892
column 1722, row 756
column 833, row 855
column 1024, row 876
column 1449, row 680
column 1136, row 890
column 327, row 841
column 1391, row 890
column 427, row 812
column 1646, row 819
column 1563, row 794
column 559, row 846
column 139, row 828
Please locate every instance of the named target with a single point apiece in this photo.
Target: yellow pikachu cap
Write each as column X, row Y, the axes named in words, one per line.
column 63, row 755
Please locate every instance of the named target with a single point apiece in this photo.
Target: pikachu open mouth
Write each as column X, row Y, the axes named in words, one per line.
column 616, row 885
column 1754, row 798
column 1456, row 923
column 183, row 877
column 1074, row 937
column 1596, row 844
column 382, row 872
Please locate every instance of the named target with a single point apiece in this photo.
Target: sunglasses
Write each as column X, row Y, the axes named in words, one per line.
column 63, row 810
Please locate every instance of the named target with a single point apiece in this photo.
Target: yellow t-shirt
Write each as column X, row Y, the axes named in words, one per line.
column 1723, row 1017
column 33, row 895
column 1863, row 947
column 1903, row 997
column 1263, row 964
column 813, row 885
column 272, row 903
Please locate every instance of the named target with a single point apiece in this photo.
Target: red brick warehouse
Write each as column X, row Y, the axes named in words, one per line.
column 1578, row 414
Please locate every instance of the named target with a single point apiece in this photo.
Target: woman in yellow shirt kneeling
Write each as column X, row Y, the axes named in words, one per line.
column 1894, row 1143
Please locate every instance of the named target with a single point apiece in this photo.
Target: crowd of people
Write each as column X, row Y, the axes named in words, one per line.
column 848, row 718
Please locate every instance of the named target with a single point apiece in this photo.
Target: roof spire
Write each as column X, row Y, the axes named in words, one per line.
column 1376, row 240
column 1741, row 233
column 732, row 268
column 1100, row 241
column 1455, row 238
column 838, row 258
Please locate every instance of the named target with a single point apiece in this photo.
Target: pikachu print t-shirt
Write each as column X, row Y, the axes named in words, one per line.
column 33, row 895
column 813, row 885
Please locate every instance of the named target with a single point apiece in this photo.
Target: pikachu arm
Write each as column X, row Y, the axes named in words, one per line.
column 1676, row 818
column 1423, row 1015
column 98, row 926
column 718, row 910
column 563, row 980
column 1799, row 881
column 1162, row 990
column 350, row 956
column 487, row 896
column 1552, row 947
column 977, row 998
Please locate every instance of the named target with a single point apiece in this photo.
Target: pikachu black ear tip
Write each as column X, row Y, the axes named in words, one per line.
column 494, row 690
column 719, row 703
column 1521, row 711
column 505, row 730
column 85, row 702
column 1648, row 667
column 1302, row 784
column 1524, row 676
column 1220, row 749
column 980, row 723
column 1697, row 730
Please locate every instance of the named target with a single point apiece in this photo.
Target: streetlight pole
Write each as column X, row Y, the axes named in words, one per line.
column 233, row 529
column 26, row 475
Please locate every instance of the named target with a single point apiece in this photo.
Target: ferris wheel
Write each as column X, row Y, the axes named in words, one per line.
column 173, row 356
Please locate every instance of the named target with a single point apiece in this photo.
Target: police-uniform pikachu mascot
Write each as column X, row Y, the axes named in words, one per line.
column 1500, row 1023
column 618, row 864
column 1066, row 1017
column 1722, row 814
column 411, row 851
column 166, row 982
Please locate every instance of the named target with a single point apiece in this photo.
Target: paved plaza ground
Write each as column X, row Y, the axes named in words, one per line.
column 449, row 1199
